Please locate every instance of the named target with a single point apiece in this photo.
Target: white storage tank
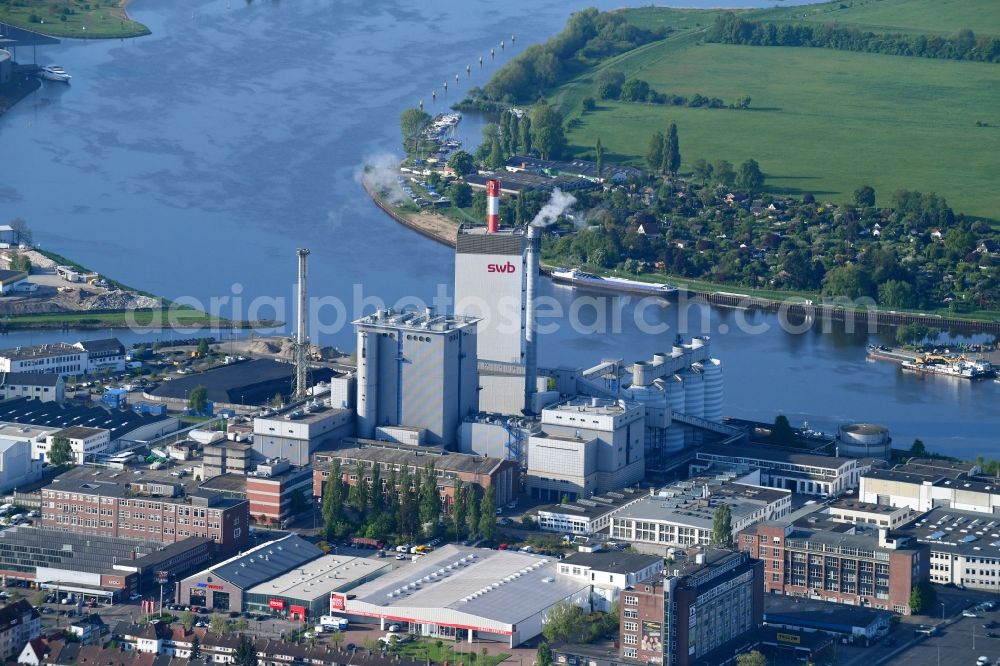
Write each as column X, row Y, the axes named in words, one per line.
column 864, row 440
column 673, row 388
column 694, row 392
column 711, row 370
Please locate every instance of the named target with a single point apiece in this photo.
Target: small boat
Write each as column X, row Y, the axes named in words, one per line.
column 579, row 278
column 54, row 73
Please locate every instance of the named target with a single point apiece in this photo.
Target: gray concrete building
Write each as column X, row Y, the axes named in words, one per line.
column 586, row 446
column 416, row 369
column 294, row 433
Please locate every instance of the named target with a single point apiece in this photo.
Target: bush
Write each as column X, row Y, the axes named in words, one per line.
column 589, row 104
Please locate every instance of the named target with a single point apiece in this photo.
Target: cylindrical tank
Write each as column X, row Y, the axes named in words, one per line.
column 673, row 387
column 711, row 370
column 640, row 374
column 694, row 392
column 864, row 440
column 367, row 383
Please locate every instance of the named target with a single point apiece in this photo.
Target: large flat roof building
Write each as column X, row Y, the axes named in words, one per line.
column 307, row 589
column 122, row 425
column 964, row 547
column 462, row 593
column 223, row 587
column 785, row 467
column 922, row 487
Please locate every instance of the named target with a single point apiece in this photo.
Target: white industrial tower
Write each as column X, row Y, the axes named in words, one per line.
column 301, row 339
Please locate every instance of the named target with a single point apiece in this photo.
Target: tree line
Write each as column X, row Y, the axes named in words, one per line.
column 612, row 84
column 589, row 36
column 965, row 45
column 407, row 505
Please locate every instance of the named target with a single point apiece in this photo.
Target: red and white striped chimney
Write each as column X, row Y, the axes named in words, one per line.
column 492, row 206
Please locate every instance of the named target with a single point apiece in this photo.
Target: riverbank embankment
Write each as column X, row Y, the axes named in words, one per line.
column 442, row 230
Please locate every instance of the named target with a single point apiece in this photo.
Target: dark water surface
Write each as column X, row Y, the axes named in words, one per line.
column 191, row 163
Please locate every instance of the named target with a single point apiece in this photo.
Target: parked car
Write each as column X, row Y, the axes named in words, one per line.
column 393, row 628
column 968, row 613
column 135, row 596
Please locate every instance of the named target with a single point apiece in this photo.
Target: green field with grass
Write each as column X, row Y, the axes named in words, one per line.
column 939, row 17
column 181, row 317
column 821, row 121
column 81, row 19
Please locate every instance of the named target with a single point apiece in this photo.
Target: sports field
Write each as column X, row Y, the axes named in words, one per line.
column 821, row 121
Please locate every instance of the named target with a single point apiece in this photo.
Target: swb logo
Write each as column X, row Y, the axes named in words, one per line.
column 500, row 268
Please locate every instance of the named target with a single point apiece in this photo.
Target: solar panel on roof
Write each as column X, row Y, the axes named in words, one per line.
column 968, row 538
column 936, row 535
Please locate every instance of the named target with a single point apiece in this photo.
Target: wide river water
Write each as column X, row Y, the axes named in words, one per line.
column 192, row 162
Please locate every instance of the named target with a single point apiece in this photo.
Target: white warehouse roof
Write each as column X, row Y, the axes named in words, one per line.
column 322, row 576
column 491, row 590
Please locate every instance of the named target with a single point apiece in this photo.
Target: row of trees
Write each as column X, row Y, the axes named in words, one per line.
column 589, row 36
column 404, row 503
column 612, row 84
column 732, row 29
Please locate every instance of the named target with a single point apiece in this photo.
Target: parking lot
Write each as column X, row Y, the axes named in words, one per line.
column 962, row 641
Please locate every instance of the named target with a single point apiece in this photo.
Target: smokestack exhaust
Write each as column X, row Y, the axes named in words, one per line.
column 492, row 206
column 530, row 343
column 301, row 341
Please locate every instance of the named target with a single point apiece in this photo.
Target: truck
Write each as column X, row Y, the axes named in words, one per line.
column 367, row 542
column 333, row 622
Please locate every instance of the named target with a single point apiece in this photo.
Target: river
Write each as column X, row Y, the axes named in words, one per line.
column 192, row 162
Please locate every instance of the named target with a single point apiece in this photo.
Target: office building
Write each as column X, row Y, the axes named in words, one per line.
column 108, row 502
column 416, row 370
column 225, row 457
column 848, row 510
column 924, row 487
column 586, row 446
column 585, row 516
column 65, row 359
column 295, row 432
column 85, row 443
column 964, row 547
column 490, row 286
column 682, row 515
column 788, row 468
column 698, row 606
column 47, row 387
column 609, row 573
column 837, row 562
column 276, row 490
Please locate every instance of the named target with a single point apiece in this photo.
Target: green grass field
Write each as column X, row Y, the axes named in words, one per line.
column 91, row 19
column 821, row 121
column 942, row 17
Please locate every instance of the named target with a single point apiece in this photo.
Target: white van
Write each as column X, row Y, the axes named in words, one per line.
column 331, row 622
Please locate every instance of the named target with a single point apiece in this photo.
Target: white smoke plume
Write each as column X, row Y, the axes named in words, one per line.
column 558, row 203
column 379, row 171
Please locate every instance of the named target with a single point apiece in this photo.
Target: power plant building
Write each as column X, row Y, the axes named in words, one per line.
column 586, row 446
column 489, row 285
column 416, row 370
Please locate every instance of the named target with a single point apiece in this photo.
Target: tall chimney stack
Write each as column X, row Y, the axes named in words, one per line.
column 530, row 343
column 301, row 341
column 492, row 205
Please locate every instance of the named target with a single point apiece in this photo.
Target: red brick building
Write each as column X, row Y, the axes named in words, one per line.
column 100, row 502
column 829, row 561
column 701, row 606
column 275, row 489
column 500, row 476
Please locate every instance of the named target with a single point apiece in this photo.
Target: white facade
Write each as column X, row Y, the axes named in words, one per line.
column 65, row 359
column 922, row 493
column 800, row 472
column 490, row 285
column 86, row 443
column 17, row 466
column 608, row 581
column 586, row 446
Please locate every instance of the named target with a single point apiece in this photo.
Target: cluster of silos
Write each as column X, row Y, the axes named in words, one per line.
column 687, row 380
